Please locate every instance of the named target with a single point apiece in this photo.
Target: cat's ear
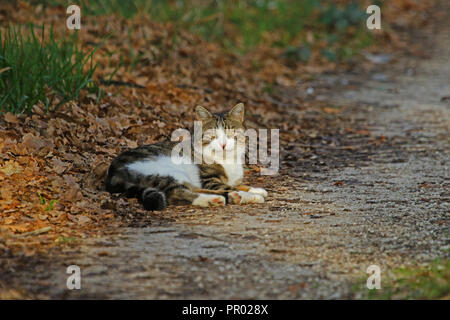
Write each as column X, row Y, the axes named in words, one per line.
column 202, row 113
column 237, row 112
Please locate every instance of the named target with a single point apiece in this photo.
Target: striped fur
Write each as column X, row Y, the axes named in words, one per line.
column 145, row 173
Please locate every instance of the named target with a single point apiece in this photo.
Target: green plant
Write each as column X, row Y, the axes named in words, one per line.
column 49, row 204
column 241, row 25
column 40, row 70
column 430, row 281
column 340, row 18
column 66, row 240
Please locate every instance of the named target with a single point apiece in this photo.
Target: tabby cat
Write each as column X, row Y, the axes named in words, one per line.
column 149, row 174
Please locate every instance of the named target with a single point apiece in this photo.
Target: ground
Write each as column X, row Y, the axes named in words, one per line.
column 376, row 195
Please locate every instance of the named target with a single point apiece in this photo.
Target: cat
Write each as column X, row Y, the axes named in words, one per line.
column 149, row 173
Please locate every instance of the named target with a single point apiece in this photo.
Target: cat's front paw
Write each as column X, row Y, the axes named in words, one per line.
column 242, row 197
column 206, row 200
column 259, row 191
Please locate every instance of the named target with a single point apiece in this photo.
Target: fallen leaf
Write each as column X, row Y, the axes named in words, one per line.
column 32, row 142
column 59, row 166
column 11, row 167
column 73, row 194
column 331, row 110
column 4, row 69
column 83, row 219
column 10, row 118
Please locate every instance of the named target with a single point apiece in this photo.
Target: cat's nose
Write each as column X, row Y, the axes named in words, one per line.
column 224, row 145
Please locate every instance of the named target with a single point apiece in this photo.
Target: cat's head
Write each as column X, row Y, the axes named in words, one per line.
column 221, row 131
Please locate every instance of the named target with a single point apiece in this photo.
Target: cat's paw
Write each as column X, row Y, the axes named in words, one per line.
column 234, row 197
column 259, row 191
column 206, row 200
column 242, row 197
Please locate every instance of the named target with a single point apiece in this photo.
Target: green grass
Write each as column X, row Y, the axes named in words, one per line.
column 49, row 204
column 48, row 71
column 33, row 69
column 424, row 282
column 66, row 240
column 241, row 25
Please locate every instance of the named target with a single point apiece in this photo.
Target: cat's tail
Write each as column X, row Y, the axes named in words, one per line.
column 122, row 181
column 153, row 199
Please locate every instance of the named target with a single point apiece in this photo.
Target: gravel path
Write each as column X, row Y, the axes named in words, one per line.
column 319, row 230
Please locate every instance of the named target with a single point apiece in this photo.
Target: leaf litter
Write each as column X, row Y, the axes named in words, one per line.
column 61, row 157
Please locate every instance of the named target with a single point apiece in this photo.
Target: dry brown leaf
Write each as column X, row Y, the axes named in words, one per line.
column 10, row 167
column 331, row 110
column 10, row 118
column 4, row 69
column 59, row 166
column 100, row 169
column 73, row 193
column 18, row 227
column 83, row 219
column 32, row 142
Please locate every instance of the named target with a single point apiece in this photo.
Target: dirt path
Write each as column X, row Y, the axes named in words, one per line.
column 319, row 230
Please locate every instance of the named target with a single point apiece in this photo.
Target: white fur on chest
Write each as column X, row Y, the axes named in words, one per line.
column 234, row 172
column 163, row 166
